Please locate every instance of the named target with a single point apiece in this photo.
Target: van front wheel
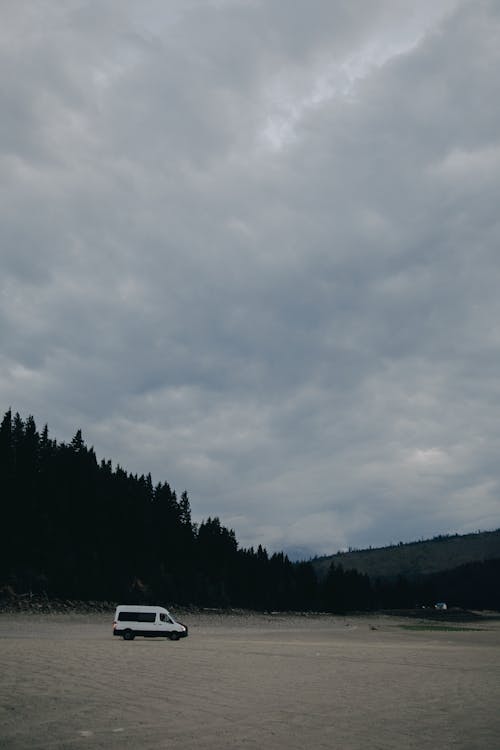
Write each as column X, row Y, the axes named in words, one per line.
column 174, row 636
column 128, row 635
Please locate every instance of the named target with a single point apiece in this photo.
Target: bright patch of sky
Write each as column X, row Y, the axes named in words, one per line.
column 336, row 79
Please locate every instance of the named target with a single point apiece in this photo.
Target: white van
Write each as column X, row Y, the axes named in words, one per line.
column 151, row 622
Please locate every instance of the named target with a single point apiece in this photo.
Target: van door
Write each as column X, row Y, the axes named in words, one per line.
column 164, row 623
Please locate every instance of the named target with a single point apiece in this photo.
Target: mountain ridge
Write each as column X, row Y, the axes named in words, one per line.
column 415, row 559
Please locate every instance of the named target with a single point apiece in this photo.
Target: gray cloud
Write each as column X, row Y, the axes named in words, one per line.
column 255, row 253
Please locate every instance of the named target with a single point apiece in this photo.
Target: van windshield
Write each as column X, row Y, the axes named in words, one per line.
column 167, row 618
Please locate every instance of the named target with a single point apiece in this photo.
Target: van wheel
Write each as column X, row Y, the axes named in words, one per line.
column 174, row 636
column 128, row 635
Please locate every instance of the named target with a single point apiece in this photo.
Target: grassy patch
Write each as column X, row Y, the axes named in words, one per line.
column 445, row 628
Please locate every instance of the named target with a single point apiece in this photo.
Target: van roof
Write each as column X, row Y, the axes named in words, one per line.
column 140, row 608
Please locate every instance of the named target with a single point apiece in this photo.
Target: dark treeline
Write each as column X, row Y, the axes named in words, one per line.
column 470, row 586
column 73, row 527
column 77, row 528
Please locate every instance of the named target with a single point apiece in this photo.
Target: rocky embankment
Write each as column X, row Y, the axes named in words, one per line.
column 11, row 602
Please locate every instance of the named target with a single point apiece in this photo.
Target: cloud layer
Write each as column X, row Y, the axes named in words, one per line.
column 255, row 253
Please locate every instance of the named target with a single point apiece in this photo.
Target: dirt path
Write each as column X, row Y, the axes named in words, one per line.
column 248, row 682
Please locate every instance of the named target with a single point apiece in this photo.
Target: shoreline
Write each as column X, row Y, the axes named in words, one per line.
column 30, row 604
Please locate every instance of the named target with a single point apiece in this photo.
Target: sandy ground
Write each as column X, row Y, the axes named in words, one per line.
column 248, row 682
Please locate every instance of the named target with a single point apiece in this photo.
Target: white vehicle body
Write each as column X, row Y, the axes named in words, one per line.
column 151, row 622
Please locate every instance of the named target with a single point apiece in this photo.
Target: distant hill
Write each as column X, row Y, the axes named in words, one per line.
column 416, row 559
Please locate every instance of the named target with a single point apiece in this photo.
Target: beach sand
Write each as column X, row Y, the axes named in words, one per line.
column 256, row 681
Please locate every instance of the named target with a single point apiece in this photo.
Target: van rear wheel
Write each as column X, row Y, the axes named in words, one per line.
column 128, row 635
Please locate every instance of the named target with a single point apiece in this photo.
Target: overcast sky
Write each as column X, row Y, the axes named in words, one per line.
column 253, row 248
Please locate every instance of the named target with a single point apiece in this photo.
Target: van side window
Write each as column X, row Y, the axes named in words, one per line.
column 147, row 616
column 128, row 616
column 162, row 616
column 137, row 616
